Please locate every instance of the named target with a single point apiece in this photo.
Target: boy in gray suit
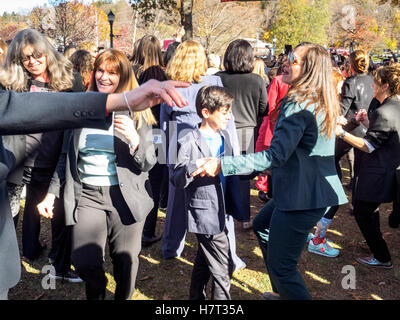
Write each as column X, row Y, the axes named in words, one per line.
column 204, row 196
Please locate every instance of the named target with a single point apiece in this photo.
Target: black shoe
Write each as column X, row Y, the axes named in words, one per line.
column 146, row 242
column 263, row 196
column 394, row 220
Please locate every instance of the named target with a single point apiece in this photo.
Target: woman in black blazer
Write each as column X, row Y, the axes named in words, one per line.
column 106, row 190
column 378, row 179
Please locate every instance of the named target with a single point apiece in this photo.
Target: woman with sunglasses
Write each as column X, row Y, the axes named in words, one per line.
column 304, row 178
column 33, row 65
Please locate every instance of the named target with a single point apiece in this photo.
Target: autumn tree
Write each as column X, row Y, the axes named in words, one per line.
column 216, row 24
column 300, row 20
column 70, row 22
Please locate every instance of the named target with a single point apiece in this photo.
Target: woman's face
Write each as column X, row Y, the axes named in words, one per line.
column 35, row 64
column 380, row 92
column 293, row 66
column 107, row 80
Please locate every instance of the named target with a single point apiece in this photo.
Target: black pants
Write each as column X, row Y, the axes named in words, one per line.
column 37, row 182
column 342, row 148
column 103, row 215
column 157, row 175
column 213, row 259
column 367, row 217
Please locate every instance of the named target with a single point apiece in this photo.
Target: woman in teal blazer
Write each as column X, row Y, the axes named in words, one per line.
column 304, row 177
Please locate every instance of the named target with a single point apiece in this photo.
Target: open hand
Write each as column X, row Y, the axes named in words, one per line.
column 154, row 92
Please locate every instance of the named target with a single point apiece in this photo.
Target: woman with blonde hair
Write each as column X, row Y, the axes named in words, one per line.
column 301, row 157
column 189, row 64
column 32, row 64
column 259, row 68
column 106, row 193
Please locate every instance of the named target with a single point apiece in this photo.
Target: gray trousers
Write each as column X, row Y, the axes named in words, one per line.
column 4, row 295
column 213, row 260
column 174, row 234
column 104, row 216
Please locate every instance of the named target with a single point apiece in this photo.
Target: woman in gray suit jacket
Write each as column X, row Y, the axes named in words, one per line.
column 106, row 190
column 304, row 177
column 74, row 110
column 378, row 180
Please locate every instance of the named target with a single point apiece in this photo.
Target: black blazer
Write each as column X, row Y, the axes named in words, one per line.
column 132, row 168
column 73, row 110
column 357, row 93
column 379, row 176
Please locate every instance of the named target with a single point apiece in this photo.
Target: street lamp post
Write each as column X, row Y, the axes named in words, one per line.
column 111, row 18
column 273, row 46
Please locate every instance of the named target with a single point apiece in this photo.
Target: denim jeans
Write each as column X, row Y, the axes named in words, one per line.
column 282, row 236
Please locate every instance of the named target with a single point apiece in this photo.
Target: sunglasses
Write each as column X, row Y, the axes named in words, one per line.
column 35, row 55
column 293, row 59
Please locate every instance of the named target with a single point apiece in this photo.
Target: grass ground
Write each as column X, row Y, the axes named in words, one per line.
column 160, row 279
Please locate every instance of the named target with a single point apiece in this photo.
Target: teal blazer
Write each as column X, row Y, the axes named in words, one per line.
column 302, row 160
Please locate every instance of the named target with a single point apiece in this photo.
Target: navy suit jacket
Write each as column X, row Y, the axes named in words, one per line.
column 204, row 196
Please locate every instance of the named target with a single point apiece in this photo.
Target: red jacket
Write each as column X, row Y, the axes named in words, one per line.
column 276, row 91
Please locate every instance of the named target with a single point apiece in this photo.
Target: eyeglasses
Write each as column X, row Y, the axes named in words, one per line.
column 35, row 55
column 293, row 59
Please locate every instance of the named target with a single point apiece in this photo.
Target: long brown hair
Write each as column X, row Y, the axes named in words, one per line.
column 316, row 86
column 148, row 54
column 119, row 63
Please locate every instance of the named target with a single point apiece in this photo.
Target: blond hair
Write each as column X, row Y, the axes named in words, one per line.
column 259, row 68
column 14, row 76
column 189, row 62
column 316, row 85
column 117, row 62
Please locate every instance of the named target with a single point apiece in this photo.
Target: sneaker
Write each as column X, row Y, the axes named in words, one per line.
column 372, row 262
column 271, row 296
column 323, row 249
column 70, row 276
column 310, row 236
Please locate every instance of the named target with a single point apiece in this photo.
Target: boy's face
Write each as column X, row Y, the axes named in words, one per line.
column 218, row 120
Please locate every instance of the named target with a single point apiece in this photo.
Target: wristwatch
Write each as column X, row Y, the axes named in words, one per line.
column 343, row 134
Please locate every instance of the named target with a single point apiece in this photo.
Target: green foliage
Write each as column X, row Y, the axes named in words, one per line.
column 299, row 21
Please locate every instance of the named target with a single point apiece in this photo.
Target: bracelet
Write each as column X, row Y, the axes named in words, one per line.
column 126, row 101
column 342, row 135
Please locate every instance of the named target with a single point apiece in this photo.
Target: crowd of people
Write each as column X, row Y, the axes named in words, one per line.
column 286, row 122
